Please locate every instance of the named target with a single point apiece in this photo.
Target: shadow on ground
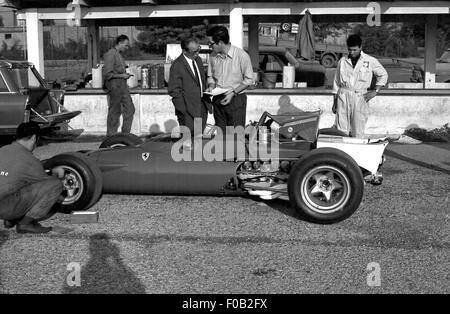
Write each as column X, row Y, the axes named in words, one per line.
column 413, row 161
column 105, row 272
column 287, row 209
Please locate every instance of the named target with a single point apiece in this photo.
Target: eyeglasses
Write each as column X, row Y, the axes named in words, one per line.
column 211, row 43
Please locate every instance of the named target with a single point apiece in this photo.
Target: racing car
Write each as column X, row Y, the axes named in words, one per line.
column 322, row 174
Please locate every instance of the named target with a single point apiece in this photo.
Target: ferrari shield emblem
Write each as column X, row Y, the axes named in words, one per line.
column 145, row 156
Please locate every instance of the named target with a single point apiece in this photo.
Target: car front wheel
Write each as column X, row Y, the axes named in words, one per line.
column 326, row 186
column 81, row 179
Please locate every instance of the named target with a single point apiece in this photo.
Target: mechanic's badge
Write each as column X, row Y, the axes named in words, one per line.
column 145, row 156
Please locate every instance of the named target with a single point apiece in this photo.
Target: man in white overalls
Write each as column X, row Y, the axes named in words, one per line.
column 352, row 79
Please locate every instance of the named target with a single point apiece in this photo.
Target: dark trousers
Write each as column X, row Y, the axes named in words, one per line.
column 34, row 200
column 120, row 103
column 232, row 114
column 185, row 119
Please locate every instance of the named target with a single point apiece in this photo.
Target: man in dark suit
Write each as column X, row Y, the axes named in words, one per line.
column 187, row 83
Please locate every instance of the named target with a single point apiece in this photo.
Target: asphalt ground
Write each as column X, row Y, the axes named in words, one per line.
column 173, row 244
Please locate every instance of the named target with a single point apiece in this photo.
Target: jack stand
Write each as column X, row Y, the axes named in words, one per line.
column 83, row 217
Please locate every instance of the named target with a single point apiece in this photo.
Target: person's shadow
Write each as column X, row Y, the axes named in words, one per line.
column 169, row 125
column 105, row 272
column 3, row 238
column 155, row 129
column 286, row 106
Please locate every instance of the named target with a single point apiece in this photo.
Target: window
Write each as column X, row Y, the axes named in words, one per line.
column 25, row 78
column 270, row 63
column 3, row 87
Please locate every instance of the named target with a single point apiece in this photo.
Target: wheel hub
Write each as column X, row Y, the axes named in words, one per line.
column 325, row 189
column 73, row 185
column 325, row 186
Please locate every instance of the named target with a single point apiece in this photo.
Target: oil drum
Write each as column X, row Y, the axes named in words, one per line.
column 157, row 76
column 145, row 77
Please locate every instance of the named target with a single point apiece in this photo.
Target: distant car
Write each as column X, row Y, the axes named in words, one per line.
column 442, row 69
column 272, row 60
column 25, row 96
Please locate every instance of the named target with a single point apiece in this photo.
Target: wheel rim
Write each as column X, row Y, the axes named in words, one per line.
column 325, row 189
column 327, row 62
column 73, row 185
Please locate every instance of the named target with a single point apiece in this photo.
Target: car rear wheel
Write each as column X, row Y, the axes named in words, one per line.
column 328, row 61
column 121, row 140
column 326, row 186
column 82, row 180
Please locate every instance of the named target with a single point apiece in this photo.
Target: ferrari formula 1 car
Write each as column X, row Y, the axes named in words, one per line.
column 321, row 175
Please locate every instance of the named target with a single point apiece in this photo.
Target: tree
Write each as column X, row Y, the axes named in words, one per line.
column 154, row 39
column 388, row 40
column 15, row 52
column 443, row 40
column 323, row 30
column 401, row 39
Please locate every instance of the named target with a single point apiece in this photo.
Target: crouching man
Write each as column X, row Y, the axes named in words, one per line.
column 27, row 192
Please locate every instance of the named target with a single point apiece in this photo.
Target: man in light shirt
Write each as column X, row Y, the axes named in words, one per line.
column 352, row 79
column 229, row 68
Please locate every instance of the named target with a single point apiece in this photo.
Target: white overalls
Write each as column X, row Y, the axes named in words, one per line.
column 350, row 85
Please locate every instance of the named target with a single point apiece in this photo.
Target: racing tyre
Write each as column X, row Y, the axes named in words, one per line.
column 325, row 186
column 121, row 140
column 82, row 181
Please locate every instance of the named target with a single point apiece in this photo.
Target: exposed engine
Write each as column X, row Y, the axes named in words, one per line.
column 268, row 180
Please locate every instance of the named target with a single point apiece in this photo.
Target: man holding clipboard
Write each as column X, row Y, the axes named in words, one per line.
column 229, row 69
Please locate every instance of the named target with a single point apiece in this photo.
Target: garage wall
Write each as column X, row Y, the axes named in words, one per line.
column 390, row 114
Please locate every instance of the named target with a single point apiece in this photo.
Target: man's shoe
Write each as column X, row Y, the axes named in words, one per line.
column 8, row 224
column 34, row 227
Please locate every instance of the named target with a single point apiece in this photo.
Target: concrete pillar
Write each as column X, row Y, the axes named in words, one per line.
column 237, row 27
column 430, row 50
column 35, row 40
column 253, row 40
column 93, row 44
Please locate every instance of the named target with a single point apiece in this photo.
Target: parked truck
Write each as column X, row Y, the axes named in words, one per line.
column 328, row 54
